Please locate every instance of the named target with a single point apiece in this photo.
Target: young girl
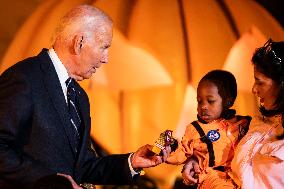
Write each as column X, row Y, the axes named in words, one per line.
column 213, row 137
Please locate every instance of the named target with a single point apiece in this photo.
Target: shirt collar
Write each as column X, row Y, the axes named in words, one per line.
column 59, row 67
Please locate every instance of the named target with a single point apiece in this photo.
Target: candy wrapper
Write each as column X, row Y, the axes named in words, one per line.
column 165, row 139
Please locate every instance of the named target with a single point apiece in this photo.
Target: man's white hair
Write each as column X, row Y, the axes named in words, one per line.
column 84, row 18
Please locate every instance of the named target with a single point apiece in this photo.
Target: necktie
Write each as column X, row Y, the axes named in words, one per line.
column 73, row 107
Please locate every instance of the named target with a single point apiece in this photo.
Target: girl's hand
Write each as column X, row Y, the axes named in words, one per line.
column 190, row 169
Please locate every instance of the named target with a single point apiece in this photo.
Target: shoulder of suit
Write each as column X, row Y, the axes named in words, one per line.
column 28, row 62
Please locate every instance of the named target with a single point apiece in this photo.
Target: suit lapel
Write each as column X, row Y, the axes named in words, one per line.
column 56, row 95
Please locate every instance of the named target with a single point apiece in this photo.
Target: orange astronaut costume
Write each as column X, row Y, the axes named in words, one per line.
column 215, row 153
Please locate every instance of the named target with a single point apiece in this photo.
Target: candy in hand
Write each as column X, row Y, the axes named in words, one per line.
column 165, row 139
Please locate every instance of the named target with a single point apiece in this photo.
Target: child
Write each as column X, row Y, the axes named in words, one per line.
column 212, row 138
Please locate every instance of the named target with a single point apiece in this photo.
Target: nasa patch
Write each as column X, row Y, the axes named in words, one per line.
column 213, row 135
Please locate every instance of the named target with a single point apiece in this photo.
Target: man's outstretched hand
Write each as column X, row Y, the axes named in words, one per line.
column 144, row 157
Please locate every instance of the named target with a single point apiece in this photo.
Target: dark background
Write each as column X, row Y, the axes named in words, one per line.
column 275, row 7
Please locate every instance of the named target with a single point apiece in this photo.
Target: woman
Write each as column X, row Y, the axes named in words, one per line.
column 259, row 157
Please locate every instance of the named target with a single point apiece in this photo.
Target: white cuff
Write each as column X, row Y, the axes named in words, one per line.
column 133, row 172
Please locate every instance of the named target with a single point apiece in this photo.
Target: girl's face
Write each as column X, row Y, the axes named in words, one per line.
column 266, row 89
column 209, row 101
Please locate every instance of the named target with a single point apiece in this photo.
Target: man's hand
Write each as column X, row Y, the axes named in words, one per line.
column 190, row 169
column 74, row 184
column 144, row 157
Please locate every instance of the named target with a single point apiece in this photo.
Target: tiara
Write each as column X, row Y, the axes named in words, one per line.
column 268, row 50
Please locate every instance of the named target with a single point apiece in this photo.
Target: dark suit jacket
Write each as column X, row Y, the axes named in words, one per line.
column 36, row 136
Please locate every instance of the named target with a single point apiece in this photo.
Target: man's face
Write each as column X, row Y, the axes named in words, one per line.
column 94, row 51
column 209, row 102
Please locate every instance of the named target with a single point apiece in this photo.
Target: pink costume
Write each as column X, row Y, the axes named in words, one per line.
column 259, row 157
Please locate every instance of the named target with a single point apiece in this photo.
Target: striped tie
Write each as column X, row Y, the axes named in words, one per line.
column 72, row 105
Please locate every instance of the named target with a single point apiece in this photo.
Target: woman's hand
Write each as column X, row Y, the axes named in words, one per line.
column 74, row 184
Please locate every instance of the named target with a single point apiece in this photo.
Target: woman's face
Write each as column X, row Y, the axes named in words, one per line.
column 266, row 89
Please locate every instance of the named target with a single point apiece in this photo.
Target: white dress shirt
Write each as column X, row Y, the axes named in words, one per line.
column 60, row 70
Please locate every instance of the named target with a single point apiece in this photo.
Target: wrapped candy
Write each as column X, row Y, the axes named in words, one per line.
column 165, row 139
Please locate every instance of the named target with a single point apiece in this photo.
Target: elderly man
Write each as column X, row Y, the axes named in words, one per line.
column 45, row 114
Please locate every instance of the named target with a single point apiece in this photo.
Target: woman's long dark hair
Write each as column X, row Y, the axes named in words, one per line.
column 268, row 60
